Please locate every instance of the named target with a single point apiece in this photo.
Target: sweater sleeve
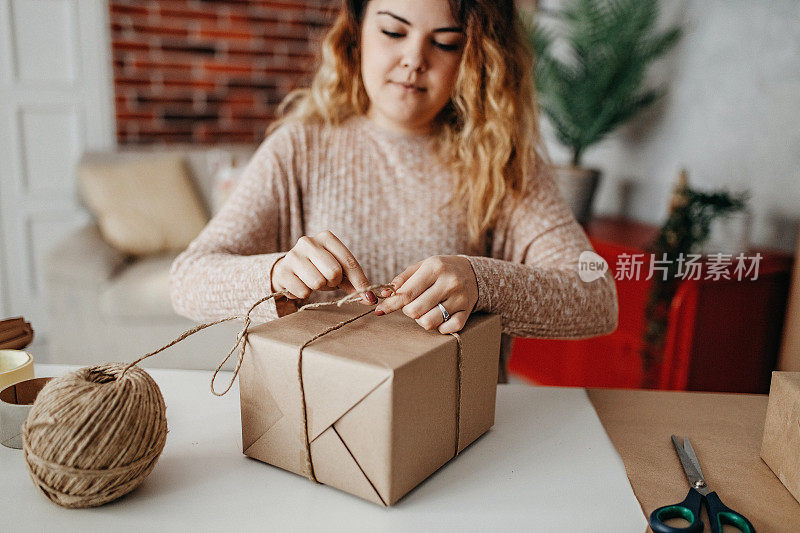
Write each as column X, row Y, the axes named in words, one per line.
column 228, row 266
column 531, row 278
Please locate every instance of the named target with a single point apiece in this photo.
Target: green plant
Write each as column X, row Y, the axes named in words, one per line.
column 687, row 227
column 596, row 82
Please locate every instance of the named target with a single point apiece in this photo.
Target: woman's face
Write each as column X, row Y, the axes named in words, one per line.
column 410, row 55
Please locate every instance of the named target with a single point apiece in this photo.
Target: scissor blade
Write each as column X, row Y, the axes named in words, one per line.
column 691, row 472
column 687, row 446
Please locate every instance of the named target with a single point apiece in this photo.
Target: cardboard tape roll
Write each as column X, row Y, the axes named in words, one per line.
column 15, row 366
column 15, row 403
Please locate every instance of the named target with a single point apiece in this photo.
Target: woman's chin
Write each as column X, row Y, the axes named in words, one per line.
column 408, row 123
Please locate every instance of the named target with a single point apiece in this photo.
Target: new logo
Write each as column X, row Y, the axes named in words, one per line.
column 591, row 266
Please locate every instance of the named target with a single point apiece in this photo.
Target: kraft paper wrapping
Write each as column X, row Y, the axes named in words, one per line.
column 780, row 447
column 789, row 358
column 725, row 430
column 380, row 392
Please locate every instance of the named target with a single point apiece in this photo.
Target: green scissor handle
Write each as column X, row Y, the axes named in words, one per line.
column 689, row 510
column 719, row 515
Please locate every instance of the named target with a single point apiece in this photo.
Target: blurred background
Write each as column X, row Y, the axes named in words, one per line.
column 123, row 118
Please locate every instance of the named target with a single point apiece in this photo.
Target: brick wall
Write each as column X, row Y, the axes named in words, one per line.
column 209, row 71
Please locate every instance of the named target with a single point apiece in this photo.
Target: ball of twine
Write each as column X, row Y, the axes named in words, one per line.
column 95, row 434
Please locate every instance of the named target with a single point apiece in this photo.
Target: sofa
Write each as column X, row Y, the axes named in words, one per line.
column 108, row 304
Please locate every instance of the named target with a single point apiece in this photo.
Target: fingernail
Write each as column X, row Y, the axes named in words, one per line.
column 372, row 298
column 379, row 312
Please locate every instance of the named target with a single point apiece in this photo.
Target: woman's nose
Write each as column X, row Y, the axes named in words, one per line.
column 414, row 57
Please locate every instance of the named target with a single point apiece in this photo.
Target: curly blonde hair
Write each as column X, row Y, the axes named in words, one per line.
column 488, row 132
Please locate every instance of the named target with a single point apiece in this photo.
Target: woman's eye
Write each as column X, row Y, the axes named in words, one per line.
column 446, row 47
column 441, row 46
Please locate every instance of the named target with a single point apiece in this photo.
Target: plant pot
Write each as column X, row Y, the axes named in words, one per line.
column 577, row 186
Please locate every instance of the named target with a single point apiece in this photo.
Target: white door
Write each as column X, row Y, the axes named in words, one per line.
column 55, row 103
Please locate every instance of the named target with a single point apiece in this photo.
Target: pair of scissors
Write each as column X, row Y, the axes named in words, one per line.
column 699, row 493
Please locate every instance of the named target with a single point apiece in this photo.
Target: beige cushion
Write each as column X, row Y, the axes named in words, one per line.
column 144, row 206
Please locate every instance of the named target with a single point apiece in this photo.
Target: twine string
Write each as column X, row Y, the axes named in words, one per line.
column 241, row 343
column 309, row 462
column 94, row 435
column 241, row 338
column 458, row 389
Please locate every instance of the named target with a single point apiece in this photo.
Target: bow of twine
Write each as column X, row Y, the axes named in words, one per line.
column 241, row 338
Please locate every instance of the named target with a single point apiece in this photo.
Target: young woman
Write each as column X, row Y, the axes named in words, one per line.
column 414, row 158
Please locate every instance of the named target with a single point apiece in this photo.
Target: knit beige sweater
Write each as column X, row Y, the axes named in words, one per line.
column 381, row 193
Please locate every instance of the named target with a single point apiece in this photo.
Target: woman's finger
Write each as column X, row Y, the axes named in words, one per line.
column 414, row 286
column 295, row 286
column 433, row 317
column 425, row 301
column 305, row 270
column 401, row 278
column 350, row 265
column 326, row 264
column 346, row 286
column 456, row 322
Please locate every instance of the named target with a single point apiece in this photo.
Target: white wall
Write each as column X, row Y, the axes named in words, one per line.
column 731, row 117
column 55, row 102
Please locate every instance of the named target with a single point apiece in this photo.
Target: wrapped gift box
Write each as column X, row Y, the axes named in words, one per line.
column 381, row 396
column 780, row 447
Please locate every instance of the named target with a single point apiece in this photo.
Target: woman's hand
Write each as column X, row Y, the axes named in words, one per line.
column 448, row 279
column 320, row 262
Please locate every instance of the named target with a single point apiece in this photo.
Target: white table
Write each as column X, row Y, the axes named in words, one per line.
column 523, row 475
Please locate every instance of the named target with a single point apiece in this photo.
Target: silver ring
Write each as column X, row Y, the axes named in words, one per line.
column 445, row 314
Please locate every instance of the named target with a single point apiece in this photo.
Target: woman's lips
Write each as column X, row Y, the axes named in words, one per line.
column 409, row 87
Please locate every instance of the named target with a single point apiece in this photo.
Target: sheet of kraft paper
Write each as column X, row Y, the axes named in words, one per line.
column 546, row 464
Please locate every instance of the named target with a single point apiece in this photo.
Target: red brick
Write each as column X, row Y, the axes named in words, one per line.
column 131, row 116
column 120, row 106
column 224, row 30
column 160, row 137
column 149, row 65
column 252, row 116
column 286, row 71
column 289, row 10
column 119, row 9
column 233, row 108
column 211, row 35
column 164, row 131
column 276, row 47
column 241, row 18
column 132, row 82
column 193, row 49
column 195, row 84
column 217, row 66
column 168, row 12
column 159, row 56
column 232, row 98
column 121, row 44
column 285, row 33
column 145, row 30
column 272, row 17
column 216, row 135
